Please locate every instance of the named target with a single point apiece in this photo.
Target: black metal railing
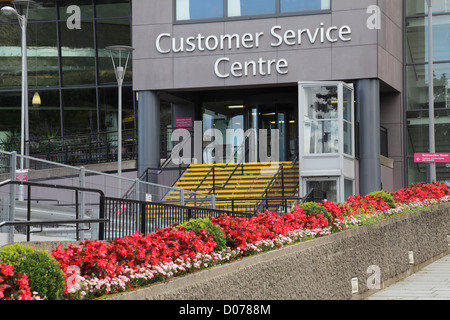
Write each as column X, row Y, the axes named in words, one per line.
column 77, row 221
column 128, row 216
column 271, row 204
column 78, row 149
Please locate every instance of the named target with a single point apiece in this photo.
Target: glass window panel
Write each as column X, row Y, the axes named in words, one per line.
column 417, row 126
column 321, row 136
column 417, row 172
column 223, row 116
column 415, row 7
column 78, row 55
column 417, row 86
column 417, row 132
column 304, row 5
column 198, row 9
column 43, row 64
column 417, row 39
column 45, row 118
column 112, row 32
column 348, row 188
column 250, row 7
column 42, row 10
column 85, row 6
column 108, row 102
column 328, row 186
column 112, row 8
column 10, row 55
column 10, row 121
column 79, row 111
column 348, row 112
column 322, row 103
column 348, row 138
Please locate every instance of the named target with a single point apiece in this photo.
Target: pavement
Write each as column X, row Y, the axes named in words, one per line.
column 430, row 283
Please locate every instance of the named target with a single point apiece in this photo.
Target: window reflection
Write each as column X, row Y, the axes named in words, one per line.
column 250, row 7
column 112, row 8
column 198, row 9
column 416, row 7
column 321, row 120
column 112, row 32
column 417, row 39
column 79, row 111
column 78, row 55
column 42, row 55
column 42, row 10
column 65, row 108
column 304, row 5
column 10, row 55
column 45, row 118
column 108, row 102
column 86, row 9
column 417, row 86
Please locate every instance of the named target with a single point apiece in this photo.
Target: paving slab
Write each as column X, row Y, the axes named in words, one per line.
column 430, row 283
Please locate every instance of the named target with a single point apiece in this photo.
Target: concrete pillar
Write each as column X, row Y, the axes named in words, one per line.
column 148, row 133
column 368, row 111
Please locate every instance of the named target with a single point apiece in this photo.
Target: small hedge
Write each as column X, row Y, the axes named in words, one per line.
column 385, row 196
column 44, row 272
column 313, row 208
column 211, row 228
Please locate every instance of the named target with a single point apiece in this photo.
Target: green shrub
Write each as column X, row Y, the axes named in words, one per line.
column 385, row 196
column 43, row 271
column 313, row 208
column 213, row 229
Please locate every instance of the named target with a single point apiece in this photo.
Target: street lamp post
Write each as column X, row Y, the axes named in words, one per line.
column 432, row 168
column 23, row 20
column 120, row 76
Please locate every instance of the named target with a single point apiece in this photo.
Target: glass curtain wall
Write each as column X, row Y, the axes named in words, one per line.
column 417, row 79
column 68, row 68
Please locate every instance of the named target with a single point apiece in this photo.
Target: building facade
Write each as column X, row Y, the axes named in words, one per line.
column 240, row 65
column 342, row 85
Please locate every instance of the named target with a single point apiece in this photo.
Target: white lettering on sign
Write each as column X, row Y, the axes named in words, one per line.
column 260, row 67
column 298, row 37
column 224, row 67
column 166, row 44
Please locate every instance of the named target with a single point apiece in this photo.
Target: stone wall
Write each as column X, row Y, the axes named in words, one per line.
column 321, row 268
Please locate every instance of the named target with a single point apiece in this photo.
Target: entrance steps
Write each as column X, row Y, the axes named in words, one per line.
column 241, row 186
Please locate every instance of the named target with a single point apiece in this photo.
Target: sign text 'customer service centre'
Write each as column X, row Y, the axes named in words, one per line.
column 224, row 67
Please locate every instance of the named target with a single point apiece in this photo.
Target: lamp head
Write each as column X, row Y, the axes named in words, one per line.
column 9, row 11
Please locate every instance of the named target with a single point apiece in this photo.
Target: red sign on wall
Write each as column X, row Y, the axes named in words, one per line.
column 22, row 175
column 432, row 157
column 183, row 122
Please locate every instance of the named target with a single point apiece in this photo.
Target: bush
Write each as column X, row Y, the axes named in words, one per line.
column 313, row 208
column 44, row 272
column 385, row 196
column 211, row 228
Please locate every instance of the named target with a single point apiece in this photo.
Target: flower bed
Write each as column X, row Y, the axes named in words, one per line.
column 97, row 268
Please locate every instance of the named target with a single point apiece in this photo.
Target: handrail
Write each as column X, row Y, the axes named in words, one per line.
column 54, row 186
column 43, row 222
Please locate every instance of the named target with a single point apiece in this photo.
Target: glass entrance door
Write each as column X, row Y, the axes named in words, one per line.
column 275, row 113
